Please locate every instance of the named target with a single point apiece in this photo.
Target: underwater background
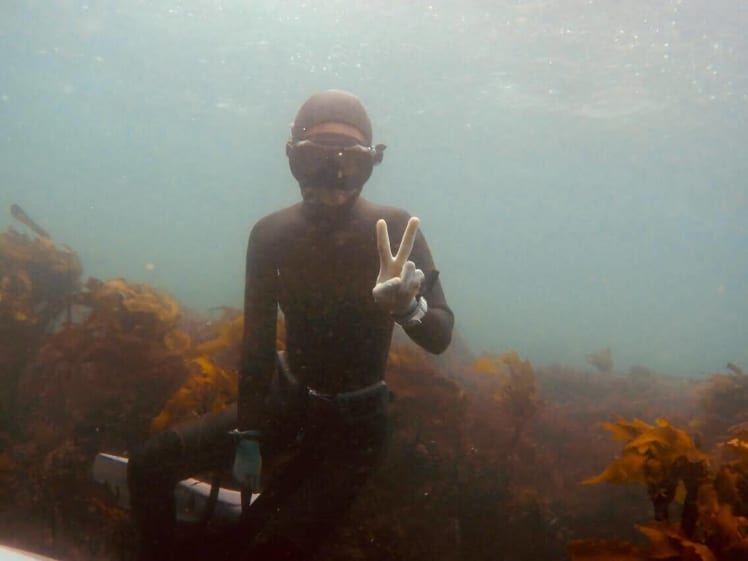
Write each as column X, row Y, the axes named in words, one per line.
column 579, row 170
column 578, row 166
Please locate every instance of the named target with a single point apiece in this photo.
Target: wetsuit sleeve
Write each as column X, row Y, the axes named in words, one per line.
column 435, row 331
column 260, row 317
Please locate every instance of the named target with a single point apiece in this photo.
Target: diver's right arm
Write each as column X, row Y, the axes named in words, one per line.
column 257, row 353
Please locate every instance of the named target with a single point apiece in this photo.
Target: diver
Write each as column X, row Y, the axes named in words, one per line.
column 327, row 265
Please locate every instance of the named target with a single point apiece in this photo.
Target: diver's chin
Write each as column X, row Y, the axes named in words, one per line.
column 334, row 198
column 328, row 201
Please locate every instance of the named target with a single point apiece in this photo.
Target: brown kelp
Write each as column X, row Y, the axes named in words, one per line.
column 661, row 457
column 111, row 371
column 724, row 401
column 36, row 278
column 712, row 525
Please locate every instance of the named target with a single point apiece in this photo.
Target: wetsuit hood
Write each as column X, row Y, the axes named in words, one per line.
column 332, row 106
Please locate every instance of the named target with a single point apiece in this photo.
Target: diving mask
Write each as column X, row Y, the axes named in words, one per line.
column 347, row 167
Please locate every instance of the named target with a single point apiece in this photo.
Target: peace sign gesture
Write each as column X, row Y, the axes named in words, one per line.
column 398, row 281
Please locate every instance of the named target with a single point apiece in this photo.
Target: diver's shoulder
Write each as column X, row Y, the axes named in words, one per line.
column 271, row 224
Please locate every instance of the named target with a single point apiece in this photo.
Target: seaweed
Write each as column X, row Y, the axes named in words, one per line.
column 212, row 382
column 110, row 373
column 669, row 463
column 659, row 456
column 36, row 278
column 724, row 400
column 512, row 383
column 208, row 389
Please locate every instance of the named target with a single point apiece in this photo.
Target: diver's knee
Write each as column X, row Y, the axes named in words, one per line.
column 157, row 457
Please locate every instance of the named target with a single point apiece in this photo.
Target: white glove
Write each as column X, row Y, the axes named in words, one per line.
column 398, row 281
column 248, row 464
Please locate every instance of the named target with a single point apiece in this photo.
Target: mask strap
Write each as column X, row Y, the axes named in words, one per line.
column 379, row 153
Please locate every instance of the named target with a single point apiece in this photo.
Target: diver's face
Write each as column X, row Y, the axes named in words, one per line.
column 332, row 165
column 330, row 197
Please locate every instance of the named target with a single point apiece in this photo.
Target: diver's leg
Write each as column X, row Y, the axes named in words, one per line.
column 277, row 489
column 317, row 490
column 151, row 476
column 155, row 468
column 206, row 443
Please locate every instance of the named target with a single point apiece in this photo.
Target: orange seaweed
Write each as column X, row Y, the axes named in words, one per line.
column 209, row 389
column 650, row 454
column 662, row 457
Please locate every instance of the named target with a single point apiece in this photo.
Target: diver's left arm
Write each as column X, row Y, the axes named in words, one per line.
column 408, row 288
column 434, row 330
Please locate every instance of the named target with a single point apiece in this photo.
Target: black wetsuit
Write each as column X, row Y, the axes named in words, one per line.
column 320, row 272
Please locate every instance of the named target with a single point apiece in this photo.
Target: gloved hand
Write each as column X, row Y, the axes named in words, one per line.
column 398, row 281
column 248, row 464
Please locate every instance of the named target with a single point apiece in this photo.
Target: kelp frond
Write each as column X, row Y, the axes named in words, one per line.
column 650, row 452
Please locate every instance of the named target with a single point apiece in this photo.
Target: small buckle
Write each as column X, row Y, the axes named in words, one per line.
column 319, row 395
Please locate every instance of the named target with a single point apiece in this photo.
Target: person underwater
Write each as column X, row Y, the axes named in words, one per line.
column 329, row 266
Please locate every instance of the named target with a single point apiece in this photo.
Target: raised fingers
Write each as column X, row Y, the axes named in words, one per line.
column 406, row 244
column 383, row 243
